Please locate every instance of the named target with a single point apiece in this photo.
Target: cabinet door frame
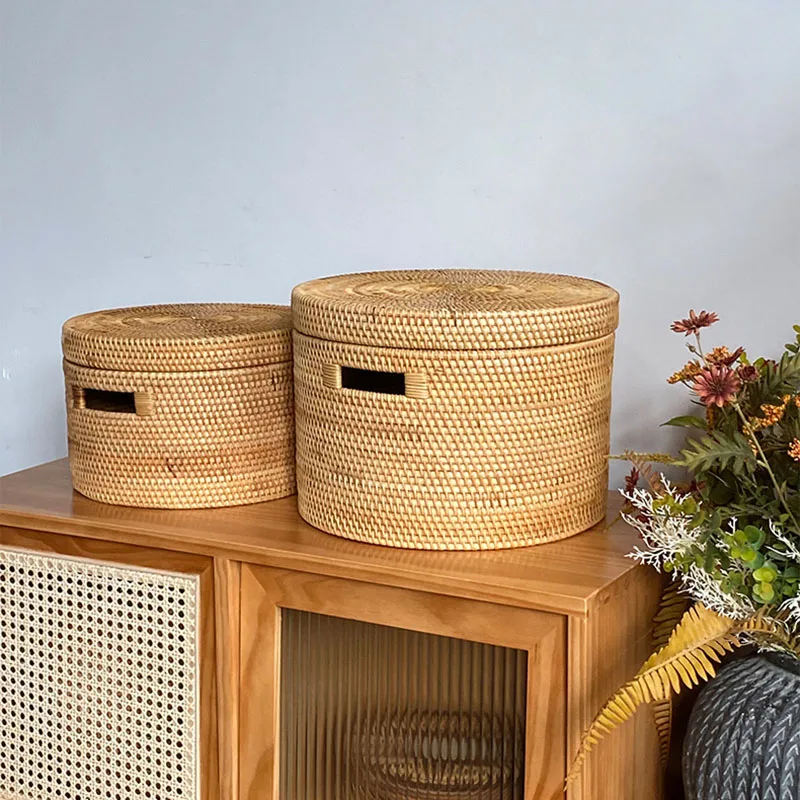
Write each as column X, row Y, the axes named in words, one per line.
column 265, row 591
column 115, row 553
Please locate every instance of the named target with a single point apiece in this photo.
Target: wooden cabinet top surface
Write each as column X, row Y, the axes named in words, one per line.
column 566, row 577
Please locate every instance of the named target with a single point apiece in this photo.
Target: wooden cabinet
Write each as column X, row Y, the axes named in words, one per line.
column 324, row 667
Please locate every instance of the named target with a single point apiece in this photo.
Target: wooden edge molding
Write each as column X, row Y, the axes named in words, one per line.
column 227, row 588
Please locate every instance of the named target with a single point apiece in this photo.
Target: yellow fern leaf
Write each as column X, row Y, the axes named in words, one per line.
column 671, row 609
column 767, row 628
column 684, row 660
column 662, row 717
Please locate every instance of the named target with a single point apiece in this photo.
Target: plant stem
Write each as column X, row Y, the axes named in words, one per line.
column 765, row 463
column 699, row 346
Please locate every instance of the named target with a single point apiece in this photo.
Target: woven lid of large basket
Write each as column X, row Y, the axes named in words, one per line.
column 455, row 309
column 180, row 338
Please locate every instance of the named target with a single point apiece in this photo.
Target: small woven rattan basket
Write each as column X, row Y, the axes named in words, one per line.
column 453, row 409
column 180, row 406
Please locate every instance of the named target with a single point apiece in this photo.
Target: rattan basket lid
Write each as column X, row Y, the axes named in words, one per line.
column 455, row 309
column 190, row 337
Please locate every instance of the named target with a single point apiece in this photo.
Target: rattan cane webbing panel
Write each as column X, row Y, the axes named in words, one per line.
column 98, row 681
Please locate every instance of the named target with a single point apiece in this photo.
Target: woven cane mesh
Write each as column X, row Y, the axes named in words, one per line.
column 179, row 338
column 221, row 434
column 455, row 309
column 98, row 681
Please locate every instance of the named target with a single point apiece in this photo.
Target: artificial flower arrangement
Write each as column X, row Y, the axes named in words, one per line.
column 729, row 538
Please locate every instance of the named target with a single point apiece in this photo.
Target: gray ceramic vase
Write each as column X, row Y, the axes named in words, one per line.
column 743, row 739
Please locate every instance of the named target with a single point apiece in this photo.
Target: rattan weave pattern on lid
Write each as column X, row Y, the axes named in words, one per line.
column 187, row 337
column 455, row 309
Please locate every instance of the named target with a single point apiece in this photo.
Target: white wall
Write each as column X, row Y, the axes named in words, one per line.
column 184, row 150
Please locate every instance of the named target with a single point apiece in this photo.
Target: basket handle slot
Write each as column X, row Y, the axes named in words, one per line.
column 407, row 384
column 140, row 403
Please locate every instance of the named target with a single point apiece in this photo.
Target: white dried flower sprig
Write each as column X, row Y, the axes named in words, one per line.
column 791, row 548
column 704, row 588
column 667, row 536
column 664, row 533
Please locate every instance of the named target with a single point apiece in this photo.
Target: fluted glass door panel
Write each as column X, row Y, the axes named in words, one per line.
column 370, row 712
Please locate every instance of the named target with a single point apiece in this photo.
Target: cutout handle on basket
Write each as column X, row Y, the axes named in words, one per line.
column 408, row 384
column 139, row 403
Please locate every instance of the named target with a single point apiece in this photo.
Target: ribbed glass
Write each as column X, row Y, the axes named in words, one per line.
column 370, row 712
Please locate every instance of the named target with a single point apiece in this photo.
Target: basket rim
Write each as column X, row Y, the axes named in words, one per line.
column 455, row 309
column 179, row 337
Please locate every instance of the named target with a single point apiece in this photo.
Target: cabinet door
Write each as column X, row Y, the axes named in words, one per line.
column 106, row 671
column 351, row 690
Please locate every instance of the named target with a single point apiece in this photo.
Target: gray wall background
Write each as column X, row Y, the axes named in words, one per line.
column 187, row 150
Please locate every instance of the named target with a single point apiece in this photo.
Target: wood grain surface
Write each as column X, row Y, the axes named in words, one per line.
column 563, row 576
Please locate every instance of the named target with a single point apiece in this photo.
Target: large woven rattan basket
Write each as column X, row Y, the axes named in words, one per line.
column 453, row 409
column 180, row 406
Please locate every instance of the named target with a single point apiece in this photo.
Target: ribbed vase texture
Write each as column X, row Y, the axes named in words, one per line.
column 743, row 741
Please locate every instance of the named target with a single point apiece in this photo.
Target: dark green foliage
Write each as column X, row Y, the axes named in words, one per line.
column 719, row 452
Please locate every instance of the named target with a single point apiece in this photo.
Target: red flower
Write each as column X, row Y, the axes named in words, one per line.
column 631, row 480
column 717, row 386
column 694, row 322
column 747, row 373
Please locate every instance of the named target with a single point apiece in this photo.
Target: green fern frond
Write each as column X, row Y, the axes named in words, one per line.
column 781, row 377
column 718, row 451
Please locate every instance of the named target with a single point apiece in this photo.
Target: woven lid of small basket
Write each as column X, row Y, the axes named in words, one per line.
column 190, row 337
column 455, row 309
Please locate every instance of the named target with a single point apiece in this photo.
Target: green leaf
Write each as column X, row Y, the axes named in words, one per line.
column 718, row 451
column 755, row 536
column 687, row 421
column 765, row 574
column 766, row 591
column 689, row 506
column 780, row 378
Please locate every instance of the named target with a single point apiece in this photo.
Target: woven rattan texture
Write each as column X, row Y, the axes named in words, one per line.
column 215, row 438
column 455, row 309
column 98, row 685
column 179, row 338
column 507, row 448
